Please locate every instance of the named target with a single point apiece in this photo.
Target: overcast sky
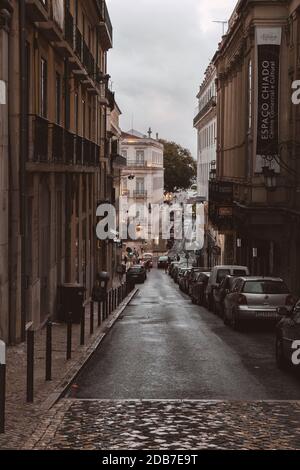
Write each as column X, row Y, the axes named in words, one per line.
column 161, row 50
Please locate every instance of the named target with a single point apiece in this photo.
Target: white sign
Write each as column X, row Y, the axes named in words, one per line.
column 2, row 92
column 2, row 353
column 268, row 36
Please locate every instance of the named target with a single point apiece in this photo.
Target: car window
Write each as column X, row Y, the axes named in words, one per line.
column 265, row 287
column 239, row 272
column 236, row 285
column 222, row 273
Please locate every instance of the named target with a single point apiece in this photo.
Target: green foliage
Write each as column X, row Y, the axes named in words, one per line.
column 180, row 167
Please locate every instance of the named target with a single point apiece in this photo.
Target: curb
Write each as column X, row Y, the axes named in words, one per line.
column 71, row 375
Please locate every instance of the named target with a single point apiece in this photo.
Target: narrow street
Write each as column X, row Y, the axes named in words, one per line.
column 164, row 347
column 170, row 375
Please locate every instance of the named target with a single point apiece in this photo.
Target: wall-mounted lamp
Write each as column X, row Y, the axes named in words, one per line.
column 270, row 178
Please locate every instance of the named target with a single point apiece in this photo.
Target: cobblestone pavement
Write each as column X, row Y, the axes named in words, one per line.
column 22, row 418
column 170, row 425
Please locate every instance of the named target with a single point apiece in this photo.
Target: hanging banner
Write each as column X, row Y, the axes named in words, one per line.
column 58, row 9
column 268, row 41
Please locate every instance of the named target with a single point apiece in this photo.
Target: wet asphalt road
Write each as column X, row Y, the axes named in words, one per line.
column 163, row 347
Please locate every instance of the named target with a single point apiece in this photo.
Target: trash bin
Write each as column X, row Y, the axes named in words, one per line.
column 70, row 299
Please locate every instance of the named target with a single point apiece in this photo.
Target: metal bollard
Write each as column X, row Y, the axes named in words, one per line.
column 2, row 385
column 92, row 318
column 99, row 313
column 49, row 351
column 69, row 337
column 82, row 328
column 30, row 365
column 106, row 306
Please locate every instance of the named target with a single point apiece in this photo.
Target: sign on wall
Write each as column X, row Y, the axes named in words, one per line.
column 2, row 92
column 268, row 41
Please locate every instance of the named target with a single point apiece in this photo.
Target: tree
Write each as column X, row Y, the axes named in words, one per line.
column 180, row 167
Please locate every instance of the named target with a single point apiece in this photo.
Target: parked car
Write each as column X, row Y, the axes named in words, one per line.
column 199, row 287
column 172, row 267
column 177, row 270
column 180, row 274
column 218, row 273
column 193, row 275
column 256, row 299
column 137, row 273
column 162, row 262
column 220, row 293
column 183, row 282
column 287, row 334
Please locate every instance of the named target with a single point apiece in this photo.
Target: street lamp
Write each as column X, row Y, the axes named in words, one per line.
column 270, row 178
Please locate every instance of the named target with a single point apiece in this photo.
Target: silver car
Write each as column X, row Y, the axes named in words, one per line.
column 256, row 298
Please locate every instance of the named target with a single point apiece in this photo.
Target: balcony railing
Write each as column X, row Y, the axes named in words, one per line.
column 57, row 143
column 137, row 163
column 106, row 29
column 78, row 43
column 53, row 144
column 41, row 133
column 212, row 103
column 140, row 194
column 69, row 28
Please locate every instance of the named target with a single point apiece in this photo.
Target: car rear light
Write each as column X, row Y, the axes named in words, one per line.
column 290, row 300
column 242, row 300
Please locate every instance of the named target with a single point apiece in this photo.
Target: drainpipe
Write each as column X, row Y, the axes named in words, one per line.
column 23, row 159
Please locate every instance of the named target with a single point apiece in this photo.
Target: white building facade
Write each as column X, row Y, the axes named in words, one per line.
column 145, row 161
column 205, row 123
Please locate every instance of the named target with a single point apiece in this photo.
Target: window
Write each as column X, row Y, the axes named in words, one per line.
column 265, row 287
column 140, row 157
column 43, row 89
column 57, row 98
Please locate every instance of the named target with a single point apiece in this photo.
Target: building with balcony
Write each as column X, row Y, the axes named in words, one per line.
column 254, row 198
column 56, row 163
column 205, row 122
column 144, row 156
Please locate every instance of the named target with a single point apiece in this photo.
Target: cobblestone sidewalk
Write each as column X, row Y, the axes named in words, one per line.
column 169, row 425
column 23, row 418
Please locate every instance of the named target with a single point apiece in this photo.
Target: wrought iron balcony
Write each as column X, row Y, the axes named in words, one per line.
column 140, row 194
column 57, row 143
column 41, row 141
column 53, row 144
column 37, row 10
column 105, row 27
column 78, row 43
column 137, row 163
column 212, row 103
column 69, row 146
column 69, row 28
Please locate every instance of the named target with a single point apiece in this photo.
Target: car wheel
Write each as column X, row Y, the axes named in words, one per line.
column 280, row 359
column 193, row 300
